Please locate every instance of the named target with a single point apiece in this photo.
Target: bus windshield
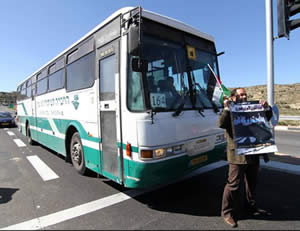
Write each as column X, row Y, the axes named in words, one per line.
column 176, row 79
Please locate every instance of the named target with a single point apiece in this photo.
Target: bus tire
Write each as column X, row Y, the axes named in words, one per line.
column 77, row 155
column 28, row 134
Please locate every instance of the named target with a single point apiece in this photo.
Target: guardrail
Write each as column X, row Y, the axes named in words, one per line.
column 288, row 117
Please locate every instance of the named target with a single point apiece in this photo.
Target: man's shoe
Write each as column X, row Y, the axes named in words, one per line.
column 230, row 221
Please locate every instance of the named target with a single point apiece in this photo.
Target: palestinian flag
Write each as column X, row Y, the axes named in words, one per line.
column 220, row 90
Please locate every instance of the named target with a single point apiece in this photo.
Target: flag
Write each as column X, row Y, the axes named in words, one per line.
column 220, row 89
column 225, row 92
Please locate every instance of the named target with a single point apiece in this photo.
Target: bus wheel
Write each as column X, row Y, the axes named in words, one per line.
column 29, row 138
column 77, row 155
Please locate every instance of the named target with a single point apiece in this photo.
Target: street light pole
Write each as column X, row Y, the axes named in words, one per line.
column 270, row 55
column 270, row 49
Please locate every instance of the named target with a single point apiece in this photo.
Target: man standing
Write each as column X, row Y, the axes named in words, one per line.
column 241, row 167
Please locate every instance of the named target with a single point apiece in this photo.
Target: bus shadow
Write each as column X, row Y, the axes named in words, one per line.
column 6, row 194
column 277, row 193
column 197, row 196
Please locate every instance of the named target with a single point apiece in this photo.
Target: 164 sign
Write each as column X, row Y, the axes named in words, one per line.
column 252, row 132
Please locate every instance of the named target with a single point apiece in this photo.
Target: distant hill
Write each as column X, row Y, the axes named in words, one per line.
column 287, row 96
column 8, row 97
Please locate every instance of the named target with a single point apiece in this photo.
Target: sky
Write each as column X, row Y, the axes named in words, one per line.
column 32, row 32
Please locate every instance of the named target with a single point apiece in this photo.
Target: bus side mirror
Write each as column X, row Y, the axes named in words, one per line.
column 139, row 65
column 221, row 53
column 133, row 41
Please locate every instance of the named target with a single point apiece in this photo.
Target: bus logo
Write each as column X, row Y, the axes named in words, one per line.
column 75, row 102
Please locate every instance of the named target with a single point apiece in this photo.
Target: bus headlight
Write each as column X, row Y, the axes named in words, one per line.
column 160, row 152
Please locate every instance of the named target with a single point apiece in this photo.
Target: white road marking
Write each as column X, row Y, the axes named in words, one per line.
column 80, row 210
column 19, row 143
column 67, row 214
column 43, row 170
column 5, row 129
column 10, row 133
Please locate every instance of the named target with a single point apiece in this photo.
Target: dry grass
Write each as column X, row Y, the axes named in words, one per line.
column 287, row 97
column 289, row 123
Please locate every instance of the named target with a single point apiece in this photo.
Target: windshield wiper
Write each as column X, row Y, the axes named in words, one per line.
column 200, row 110
column 179, row 108
column 215, row 107
column 152, row 113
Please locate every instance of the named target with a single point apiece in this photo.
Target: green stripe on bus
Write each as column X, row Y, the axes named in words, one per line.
column 64, row 124
column 61, row 125
column 91, row 155
column 92, row 159
column 23, row 106
column 50, row 141
column 145, row 174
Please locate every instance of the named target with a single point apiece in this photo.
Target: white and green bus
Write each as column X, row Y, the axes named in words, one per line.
column 132, row 100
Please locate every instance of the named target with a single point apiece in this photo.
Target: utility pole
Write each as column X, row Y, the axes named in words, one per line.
column 270, row 49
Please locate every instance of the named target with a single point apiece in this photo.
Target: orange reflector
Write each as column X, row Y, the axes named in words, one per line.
column 128, row 150
column 147, row 154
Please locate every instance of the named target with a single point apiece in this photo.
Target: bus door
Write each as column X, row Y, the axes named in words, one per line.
column 111, row 148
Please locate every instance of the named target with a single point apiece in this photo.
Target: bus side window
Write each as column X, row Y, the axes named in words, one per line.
column 42, row 86
column 81, row 73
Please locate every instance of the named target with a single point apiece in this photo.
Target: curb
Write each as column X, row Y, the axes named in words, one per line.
column 280, row 166
column 286, row 128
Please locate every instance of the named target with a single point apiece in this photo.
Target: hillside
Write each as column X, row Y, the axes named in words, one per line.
column 286, row 97
column 8, row 97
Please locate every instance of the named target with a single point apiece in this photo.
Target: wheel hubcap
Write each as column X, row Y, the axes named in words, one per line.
column 76, row 153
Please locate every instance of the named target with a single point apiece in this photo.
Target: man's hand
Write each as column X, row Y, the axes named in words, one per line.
column 226, row 102
column 264, row 104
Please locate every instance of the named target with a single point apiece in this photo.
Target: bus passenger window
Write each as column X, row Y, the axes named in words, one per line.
column 81, row 73
column 56, row 80
column 42, row 86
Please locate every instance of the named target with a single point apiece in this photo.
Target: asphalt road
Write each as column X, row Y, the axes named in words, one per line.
column 71, row 201
column 288, row 142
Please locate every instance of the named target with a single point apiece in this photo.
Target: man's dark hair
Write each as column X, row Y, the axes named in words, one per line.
column 233, row 92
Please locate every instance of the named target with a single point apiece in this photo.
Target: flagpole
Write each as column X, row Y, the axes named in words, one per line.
column 226, row 91
column 215, row 76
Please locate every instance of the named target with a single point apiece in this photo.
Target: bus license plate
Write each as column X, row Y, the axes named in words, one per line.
column 199, row 160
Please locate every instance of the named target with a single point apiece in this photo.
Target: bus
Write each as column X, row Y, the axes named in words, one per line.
column 132, row 100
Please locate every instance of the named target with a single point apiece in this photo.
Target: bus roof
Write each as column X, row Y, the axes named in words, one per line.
column 176, row 24
column 145, row 13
